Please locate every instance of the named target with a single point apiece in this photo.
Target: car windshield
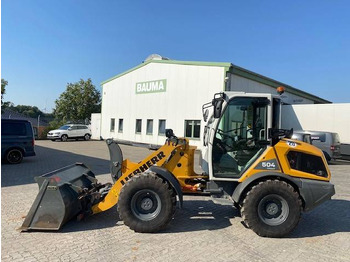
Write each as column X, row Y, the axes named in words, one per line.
column 64, row 127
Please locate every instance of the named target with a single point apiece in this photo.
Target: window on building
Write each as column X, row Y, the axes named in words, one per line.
column 112, row 128
column 120, row 125
column 192, row 128
column 149, row 130
column 138, row 126
column 161, row 127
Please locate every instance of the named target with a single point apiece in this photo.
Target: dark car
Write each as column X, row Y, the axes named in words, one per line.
column 17, row 140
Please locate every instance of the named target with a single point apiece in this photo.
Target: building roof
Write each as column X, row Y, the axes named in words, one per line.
column 10, row 114
column 231, row 68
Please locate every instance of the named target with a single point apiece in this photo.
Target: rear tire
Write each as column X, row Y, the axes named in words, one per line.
column 86, row 137
column 271, row 208
column 146, row 203
column 14, row 156
column 64, row 138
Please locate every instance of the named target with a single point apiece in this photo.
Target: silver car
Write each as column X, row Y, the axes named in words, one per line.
column 328, row 142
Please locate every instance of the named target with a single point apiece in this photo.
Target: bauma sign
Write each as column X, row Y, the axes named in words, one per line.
column 154, row 86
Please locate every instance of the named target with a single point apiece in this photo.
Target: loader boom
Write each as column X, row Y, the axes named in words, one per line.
column 176, row 156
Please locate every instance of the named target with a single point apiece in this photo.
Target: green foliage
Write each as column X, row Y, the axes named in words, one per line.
column 3, row 88
column 31, row 111
column 78, row 102
column 52, row 126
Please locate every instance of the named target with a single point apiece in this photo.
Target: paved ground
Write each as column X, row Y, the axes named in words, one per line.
column 201, row 231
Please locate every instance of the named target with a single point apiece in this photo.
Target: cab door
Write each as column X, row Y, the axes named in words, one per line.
column 240, row 136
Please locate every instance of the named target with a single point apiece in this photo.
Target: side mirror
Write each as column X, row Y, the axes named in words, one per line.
column 69, row 129
column 217, row 103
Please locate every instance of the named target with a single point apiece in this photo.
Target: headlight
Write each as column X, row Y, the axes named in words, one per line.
column 57, row 133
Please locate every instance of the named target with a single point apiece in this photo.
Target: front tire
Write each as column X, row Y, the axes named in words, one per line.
column 64, row 138
column 14, row 156
column 87, row 137
column 146, row 203
column 271, row 208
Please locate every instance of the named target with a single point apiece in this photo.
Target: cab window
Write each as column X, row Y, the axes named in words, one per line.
column 237, row 141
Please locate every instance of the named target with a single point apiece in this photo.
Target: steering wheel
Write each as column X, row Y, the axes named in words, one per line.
column 225, row 139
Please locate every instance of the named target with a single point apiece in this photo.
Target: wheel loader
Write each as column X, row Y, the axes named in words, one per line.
column 247, row 162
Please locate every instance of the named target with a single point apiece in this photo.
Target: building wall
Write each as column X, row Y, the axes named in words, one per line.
column 238, row 83
column 320, row 117
column 188, row 87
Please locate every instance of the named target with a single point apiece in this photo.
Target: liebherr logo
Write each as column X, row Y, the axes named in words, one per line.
column 145, row 166
column 155, row 86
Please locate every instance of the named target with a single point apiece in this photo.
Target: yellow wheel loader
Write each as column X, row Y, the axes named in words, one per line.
column 247, row 161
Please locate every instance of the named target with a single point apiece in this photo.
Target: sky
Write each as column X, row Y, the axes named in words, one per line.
column 47, row 44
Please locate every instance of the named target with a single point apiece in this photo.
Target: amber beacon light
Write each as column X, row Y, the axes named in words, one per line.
column 280, row 90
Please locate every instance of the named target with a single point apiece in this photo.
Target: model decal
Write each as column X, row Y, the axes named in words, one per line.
column 271, row 164
column 291, row 144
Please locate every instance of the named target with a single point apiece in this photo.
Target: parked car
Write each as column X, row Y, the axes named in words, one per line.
column 74, row 131
column 17, row 140
column 328, row 142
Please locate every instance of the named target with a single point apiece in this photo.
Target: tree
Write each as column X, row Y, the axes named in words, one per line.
column 78, row 102
column 3, row 88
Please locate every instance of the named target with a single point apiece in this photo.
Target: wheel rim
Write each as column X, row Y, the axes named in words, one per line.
column 14, row 156
column 87, row 137
column 64, row 138
column 273, row 210
column 146, row 204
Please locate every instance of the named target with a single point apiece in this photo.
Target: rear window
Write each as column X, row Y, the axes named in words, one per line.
column 13, row 129
column 336, row 138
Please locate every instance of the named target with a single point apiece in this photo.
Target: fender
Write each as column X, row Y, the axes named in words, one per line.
column 164, row 173
column 236, row 196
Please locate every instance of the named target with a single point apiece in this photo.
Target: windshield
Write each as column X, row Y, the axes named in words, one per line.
column 64, row 127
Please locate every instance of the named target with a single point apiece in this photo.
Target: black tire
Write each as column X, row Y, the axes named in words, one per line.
column 64, row 138
column 271, row 208
column 87, row 137
column 14, row 156
column 146, row 203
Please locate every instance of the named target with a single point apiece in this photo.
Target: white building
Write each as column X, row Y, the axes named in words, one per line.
column 139, row 104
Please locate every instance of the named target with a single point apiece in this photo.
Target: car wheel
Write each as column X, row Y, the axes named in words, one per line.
column 64, row 138
column 87, row 137
column 14, row 156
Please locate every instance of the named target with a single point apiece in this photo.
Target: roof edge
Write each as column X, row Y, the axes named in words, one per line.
column 229, row 67
column 240, row 71
column 175, row 62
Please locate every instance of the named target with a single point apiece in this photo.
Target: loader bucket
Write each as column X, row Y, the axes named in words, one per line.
column 60, row 197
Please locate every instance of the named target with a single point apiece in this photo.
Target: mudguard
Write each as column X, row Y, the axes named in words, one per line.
column 313, row 192
column 164, row 173
column 236, row 196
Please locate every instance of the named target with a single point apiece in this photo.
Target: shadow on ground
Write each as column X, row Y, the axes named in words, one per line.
column 331, row 217
column 47, row 160
column 197, row 215
column 200, row 215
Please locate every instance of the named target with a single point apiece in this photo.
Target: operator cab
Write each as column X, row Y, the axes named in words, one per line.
column 236, row 134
